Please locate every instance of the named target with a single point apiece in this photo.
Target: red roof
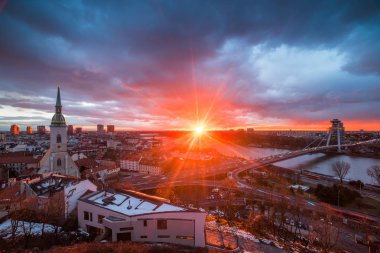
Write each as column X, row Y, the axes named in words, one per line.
column 18, row 159
column 87, row 163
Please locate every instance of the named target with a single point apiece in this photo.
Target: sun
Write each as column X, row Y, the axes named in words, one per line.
column 199, row 130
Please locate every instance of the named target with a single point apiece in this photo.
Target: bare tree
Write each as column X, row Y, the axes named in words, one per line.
column 374, row 172
column 340, row 169
column 328, row 234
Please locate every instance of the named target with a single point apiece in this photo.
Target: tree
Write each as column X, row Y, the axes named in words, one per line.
column 340, row 169
column 374, row 172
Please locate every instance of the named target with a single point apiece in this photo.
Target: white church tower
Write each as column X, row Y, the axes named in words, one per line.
column 57, row 159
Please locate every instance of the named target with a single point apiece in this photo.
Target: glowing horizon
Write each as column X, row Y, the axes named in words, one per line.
column 234, row 66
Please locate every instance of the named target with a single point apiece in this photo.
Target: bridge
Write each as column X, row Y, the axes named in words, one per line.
column 292, row 154
column 264, row 161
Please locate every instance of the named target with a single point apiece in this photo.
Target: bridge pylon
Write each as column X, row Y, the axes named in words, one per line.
column 336, row 132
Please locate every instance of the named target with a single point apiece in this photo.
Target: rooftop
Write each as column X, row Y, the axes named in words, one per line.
column 51, row 184
column 132, row 203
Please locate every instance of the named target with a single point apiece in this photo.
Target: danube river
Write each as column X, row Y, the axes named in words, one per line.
column 320, row 163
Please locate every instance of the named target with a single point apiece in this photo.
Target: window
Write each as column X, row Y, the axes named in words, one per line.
column 187, row 237
column 143, row 236
column 163, row 236
column 162, row 224
column 126, row 228
column 86, row 215
column 100, row 219
column 59, row 138
column 145, row 223
column 59, row 162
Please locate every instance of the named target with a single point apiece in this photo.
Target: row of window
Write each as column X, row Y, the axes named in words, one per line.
column 161, row 224
column 186, row 237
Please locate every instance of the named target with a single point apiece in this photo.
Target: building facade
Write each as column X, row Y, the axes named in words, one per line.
column 100, row 128
column 110, row 128
column 135, row 216
column 57, row 159
column 15, row 129
column 29, row 130
column 41, row 129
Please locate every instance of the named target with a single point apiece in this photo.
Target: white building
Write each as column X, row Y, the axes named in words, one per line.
column 130, row 164
column 61, row 188
column 141, row 165
column 135, row 216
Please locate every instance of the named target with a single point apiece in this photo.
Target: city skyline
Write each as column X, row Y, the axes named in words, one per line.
column 142, row 65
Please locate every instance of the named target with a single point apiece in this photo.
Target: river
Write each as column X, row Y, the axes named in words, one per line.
column 319, row 162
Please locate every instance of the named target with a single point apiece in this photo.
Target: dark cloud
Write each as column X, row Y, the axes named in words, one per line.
column 163, row 58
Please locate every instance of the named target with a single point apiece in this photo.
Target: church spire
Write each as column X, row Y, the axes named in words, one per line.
column 58, row 119
column 58, row 102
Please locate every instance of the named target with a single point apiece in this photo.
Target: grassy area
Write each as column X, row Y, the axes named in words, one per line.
column 365, row 205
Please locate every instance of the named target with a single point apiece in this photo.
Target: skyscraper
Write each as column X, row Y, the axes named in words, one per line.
column 29, row 130
column 100, row 128
column 78, row 130
column 41, row 129
column 110, row 128
column 70, row 130
column 15, row 129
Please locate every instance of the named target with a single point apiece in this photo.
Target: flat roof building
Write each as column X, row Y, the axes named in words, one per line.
column 131, row 215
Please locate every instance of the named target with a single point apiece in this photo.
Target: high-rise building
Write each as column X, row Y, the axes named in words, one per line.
column 100, row 128
column 78, row 130
column 41, row 129
column 15, row 129
column 29, row 130
column 110, row 128
column 70, row 130
column 336, row 133
column 57, row 159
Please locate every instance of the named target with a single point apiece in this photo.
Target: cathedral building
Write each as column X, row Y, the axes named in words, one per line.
column 57, row 159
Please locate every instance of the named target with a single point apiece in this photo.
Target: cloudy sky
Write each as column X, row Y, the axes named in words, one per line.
column 167, row 64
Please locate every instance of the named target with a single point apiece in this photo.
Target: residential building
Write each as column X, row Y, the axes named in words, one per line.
column 18, row 164
column 110, row 128
column 29, row 130
column 78, row 130
column 100, row 128
column 130, row 215
column 41, row 129
column 70, row 130
column 64, row 191
column 15, row 129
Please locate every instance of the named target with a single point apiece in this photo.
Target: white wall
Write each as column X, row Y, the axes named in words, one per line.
column 179, row 224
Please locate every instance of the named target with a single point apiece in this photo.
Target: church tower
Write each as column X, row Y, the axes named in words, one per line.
column 58, row 128
column 57, row 159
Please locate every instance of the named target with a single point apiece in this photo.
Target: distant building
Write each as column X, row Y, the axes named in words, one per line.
column 130, row 215
column 250, row 130
column 100, row 128
column 29, row 130
column 15, row 129
column 70, row 130
column 57, row 159
column 78, row 130
column 110, row 128
column 141, row 165
column 41, row 129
